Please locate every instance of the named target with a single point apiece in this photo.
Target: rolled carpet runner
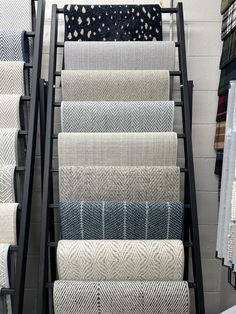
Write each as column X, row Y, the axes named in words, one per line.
column 7, row 190
column 149, row 297
column 8, row 212
column 119, row 55
column 10, row 111
column 5, row 301
column 128, row 85
column 8, row 144
column 113, row 22
column 117, row 116
column 14, row 46
column 121, row 220
column 117, row 149
column 12, row 77
column 120, row 260
column 119, row 183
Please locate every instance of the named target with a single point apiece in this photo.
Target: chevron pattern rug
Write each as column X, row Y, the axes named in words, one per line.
column 119, row 183
column 115, row 85
column 117, row 149
column 14, row 46
column 12, row 77
column 7, row 191
column 8, row 212
column 120, row 260
column 121, row 220
column 5, row 301
column 8, row 144
column 95, row 117
column 73, row 297
column 119, row 55
column 10, row 111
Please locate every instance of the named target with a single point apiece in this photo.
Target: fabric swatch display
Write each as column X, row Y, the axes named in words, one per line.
column 225, row 4
column 73, row 297
column 117, row 85
column 121, row 220
column 119, row 183
column 14, row 46
column 220, row 135
column 229, row 50
column 117, row 149
column 5, row 301
column 10, row 111
column 120, row 260
column 233, row 202
column 229, row 21
column 7, row 190
column 8, row 144
column 95, row 117
column 113, row 22
column 222, row 108
column 119, row 55
column 8, row 212
column 228, row 74
column 12, row 77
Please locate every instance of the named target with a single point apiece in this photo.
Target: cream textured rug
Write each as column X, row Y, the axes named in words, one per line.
column 117, row 149
column 115, row 85
column 8, row 212
column 95, row 117
column 14, row 45
column 120, row 260
column 7, row 190
column 5, row 301
column 119, row 183
column 12, row 77
column 8, row 146
column 10, row 111
column 73, row 297
column 119, row 55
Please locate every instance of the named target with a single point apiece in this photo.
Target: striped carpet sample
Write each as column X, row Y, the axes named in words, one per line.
column 8, row 144
column 7, row 190
column 231, row 239
column 5, row 301
column 12, row 77
column 120, row 260
column 10, row 111
column 8, row 212
column 117, row 149
column 73, row 297
column 117, row 116
column 121, row 220
column 119, row 55
column 14, row 46
column 128, row 85
column 119, row 183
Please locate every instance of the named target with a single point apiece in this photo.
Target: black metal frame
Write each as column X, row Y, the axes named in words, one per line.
column 18, row 253
column 47, row 263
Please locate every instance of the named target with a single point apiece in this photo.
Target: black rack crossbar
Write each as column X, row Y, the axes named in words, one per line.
column 47, row 262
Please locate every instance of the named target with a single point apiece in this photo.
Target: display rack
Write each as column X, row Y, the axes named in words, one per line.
column 25, row 173
column 47, row 262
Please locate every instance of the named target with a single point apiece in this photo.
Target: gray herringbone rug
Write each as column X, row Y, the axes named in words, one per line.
column 8, row 213
column 7, row 191
column 9, row 111
column 5, row 301
column 12, row 77
column 8, row 147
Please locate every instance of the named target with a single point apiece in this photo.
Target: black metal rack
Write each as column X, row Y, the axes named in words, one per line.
column 47, row 262
column 18, row 253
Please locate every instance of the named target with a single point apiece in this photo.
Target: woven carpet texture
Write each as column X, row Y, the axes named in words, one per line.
column 5, row 301
column 7, row 191
column 10, row 111
column 8, row 213
column 8, row 145
column 12, row 77
column 120, row 260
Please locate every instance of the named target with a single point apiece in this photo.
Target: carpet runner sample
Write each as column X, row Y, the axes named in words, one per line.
column 121, row 220
column 95, row 117
column 128, row 85
column 73, row 297
column 229, row 50
column 119, row 55
column 228, row 73
column 8, row 212
column 113, row 22
column 120, row 260
column 7, row 190
column 5, row 301
column 14, row 46
column 8, row 144
column 233, row 202
column 231, row 239
column 119, row 183
column 229, row 21
column 10, row 111
column 12, row 77
column 117, row 149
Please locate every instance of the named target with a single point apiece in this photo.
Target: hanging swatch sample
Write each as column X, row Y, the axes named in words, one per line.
column 10, row 111
column 5, row 301
column 8, row 144
column 115, row 85
column 229, row 21
column 95, row 117
column 119, row 55
column 8, row 212
column 7, row 190
column 12, row 77
column 113, row 22
column 119, row 183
